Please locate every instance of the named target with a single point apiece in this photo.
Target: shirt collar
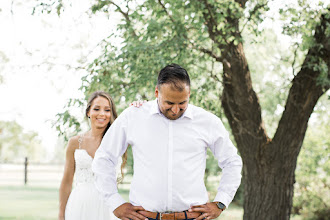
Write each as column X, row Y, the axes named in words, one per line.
column 155, row 110
column 188, row 113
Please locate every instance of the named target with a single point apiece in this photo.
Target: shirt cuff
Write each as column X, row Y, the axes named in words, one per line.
column 224, row 198
column 115, row 201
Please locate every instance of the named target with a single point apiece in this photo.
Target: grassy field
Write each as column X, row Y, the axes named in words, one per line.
column 39, row 203
column 31, row 203
column 28, row 203
column 39, row 199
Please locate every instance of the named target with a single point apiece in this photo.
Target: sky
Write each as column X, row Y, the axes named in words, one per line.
column 35, row 52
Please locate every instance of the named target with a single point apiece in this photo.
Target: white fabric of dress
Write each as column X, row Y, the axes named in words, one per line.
column 84, row 202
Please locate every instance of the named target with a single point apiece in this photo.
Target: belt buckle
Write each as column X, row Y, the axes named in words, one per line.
column 162, row 213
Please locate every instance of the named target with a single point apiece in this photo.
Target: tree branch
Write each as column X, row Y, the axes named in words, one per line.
column 255, row 9
column 164, row 8
column 241, row 2
column 294, row 59
column 120, row 10
column 304, row 93
column 204, row 50
column 210, row 53
column 126, row 16
column 212, row 24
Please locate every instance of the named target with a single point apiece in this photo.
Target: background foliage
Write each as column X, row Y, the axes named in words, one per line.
column 153, row 34
column 16, row 143
column 312, row 190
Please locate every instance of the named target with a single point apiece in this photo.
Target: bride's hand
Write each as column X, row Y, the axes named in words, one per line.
column 137, row 103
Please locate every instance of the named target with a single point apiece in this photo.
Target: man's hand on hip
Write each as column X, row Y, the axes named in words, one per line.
column 127, row 211
column 209, row 211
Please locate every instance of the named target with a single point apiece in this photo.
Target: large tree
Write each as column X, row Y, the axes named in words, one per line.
column 205, row 37
column 15, row 143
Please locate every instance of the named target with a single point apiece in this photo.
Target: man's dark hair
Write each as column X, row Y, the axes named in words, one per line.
column 175, row 75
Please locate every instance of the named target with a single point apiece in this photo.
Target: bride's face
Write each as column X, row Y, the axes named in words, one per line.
column 100, row 112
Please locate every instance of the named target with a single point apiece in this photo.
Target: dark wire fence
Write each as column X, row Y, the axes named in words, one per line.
column 31, row 173
column 37, row 174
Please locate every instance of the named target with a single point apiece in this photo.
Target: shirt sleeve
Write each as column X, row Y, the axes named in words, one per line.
column 229, row 161
column 113, row 145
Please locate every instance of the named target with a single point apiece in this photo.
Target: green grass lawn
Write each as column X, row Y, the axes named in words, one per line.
column 38, row 203
column 28, row 203
column 31, row 203
column 34, row 203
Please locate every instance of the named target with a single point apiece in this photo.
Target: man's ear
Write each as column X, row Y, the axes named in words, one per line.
column 156, row 91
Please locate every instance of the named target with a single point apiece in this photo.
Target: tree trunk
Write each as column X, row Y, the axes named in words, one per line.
column 269, row 164
column 268, row 190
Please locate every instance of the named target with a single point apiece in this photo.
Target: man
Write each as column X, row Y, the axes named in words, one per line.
column 169, row 140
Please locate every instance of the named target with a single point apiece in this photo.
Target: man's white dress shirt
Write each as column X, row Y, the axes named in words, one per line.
column 169, row 158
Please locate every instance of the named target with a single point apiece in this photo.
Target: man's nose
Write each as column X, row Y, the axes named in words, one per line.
column 175, row 109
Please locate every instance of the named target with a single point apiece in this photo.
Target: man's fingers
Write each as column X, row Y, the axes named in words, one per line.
column 198, row 209
column 204, row 215
column 132, row 216
column 138, row 208
column 138, row 216
column 197, row 206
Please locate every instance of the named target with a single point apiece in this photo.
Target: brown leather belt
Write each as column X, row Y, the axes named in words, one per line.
column 170, row 216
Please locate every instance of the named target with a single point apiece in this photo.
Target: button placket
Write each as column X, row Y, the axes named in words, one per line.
column 170, row 166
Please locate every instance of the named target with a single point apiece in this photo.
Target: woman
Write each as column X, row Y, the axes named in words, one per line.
column 84, row 201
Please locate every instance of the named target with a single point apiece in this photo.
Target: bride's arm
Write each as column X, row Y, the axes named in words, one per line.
column 66, row 183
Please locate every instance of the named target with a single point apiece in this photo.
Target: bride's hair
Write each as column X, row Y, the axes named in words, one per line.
column 106, row 95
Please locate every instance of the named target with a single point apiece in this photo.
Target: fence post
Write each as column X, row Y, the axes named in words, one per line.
column 25, row 170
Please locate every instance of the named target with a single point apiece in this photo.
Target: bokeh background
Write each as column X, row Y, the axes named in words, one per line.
column 54, row 53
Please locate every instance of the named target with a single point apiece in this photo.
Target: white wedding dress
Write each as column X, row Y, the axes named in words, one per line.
column 85, row 203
